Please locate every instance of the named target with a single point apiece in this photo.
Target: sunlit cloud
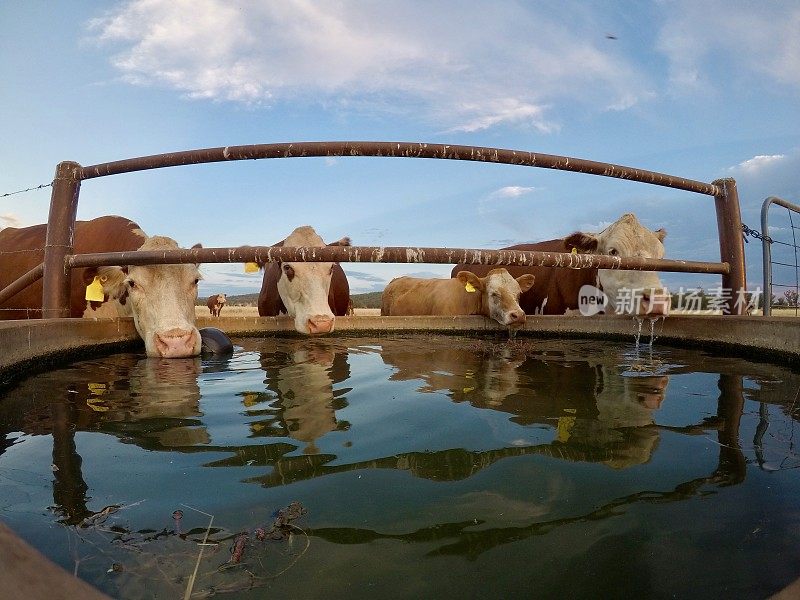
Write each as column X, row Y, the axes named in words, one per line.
column 754, row 37
column 411, row 57
column 10, row 220
column 758, row 163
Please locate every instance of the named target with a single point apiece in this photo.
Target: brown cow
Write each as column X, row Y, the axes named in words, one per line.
column 314, row 293
column 215, row 304
column 494, row 296
column 557, row 289
column 160, row 298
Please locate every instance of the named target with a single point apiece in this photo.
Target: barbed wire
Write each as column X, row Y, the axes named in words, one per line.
column 38, row 187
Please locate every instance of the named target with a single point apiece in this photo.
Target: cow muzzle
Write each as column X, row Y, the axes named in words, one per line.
column 655, row 302
column 177, row 343
column 319, row 324
column 515, row 318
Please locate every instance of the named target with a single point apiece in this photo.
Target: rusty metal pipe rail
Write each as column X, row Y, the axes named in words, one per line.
column 394, row 149
column 377, row 254
column 19, row 284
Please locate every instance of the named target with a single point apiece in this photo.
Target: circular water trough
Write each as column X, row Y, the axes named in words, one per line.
column 35, row 344
column 39, row 344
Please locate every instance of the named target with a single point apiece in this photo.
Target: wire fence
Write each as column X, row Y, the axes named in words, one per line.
column 781, row 257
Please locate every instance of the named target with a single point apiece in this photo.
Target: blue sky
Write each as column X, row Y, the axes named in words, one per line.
column 697, row 89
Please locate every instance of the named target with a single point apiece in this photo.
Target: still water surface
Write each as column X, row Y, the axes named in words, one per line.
column 445, row 467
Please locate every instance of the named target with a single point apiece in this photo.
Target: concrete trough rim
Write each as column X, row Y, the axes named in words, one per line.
column 38, row 344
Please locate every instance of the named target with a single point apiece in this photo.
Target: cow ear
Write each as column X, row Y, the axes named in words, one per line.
column 584, row 242
column 660, row 234
column 345, row 241
column 525, row 282
column 467, row 277
column 196, row 246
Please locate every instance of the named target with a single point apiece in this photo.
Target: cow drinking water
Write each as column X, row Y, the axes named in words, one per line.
column 160, row 298
column 495, row 296
column 314, row 293
column 557, row 289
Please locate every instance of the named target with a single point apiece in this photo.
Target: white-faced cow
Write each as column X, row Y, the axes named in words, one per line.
column 160, row 298
column 495, row 296
column 314, row 293
column 557, row 289
column 215, row 304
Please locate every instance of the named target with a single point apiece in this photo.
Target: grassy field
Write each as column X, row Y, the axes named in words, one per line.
column 252, row 311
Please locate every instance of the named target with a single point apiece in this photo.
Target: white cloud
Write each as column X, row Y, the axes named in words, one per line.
column 757, row 163
column 760, row 37
column 10, row 220
column 505, row 66
column 511, row 191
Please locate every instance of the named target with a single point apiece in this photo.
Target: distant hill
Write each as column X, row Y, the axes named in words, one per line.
column 370, row 300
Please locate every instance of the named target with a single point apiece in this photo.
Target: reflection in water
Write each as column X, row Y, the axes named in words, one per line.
column 303, row 380
column 449, row 446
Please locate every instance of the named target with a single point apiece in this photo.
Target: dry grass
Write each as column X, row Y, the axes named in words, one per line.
column 252, row 311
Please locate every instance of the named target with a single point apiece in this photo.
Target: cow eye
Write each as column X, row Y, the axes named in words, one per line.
column 131, row 284
column 197, row 280
column 613, row 252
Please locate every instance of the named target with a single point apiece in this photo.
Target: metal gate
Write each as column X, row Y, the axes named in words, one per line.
column 766, row 243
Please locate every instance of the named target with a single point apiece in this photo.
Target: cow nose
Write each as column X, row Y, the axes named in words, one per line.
column 320, row 324
column 176, row 343
column 516, row 317
column 655, row 301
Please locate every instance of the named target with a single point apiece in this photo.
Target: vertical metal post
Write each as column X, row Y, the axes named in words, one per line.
column 60, row 232
column 766, row 254
column 731, row 242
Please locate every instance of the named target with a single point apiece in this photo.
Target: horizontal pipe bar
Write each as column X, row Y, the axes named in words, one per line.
column 19, row 284
column 265, row 254
column 395, row 149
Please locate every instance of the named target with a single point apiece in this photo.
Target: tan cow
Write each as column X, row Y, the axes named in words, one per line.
column 160, row 298
column 495, row 296
column 215, row 304
column 558, row 290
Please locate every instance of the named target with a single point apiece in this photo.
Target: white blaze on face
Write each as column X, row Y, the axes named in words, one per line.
column 161, row 299
column 642, row 291
column 500, row 294
column 304, row 286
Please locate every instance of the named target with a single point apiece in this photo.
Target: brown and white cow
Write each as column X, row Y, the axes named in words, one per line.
column 215, row 304
column 160, row 298
column 557, row 289
column 495, row 296
column 314, row 293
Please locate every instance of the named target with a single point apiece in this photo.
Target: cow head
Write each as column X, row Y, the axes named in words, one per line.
column 632, row 291
column 304, row 286
column 499, row 294
column 160, row 298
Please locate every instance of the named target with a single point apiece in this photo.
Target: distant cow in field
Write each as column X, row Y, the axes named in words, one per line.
column 314, row 293
column 215, row 304
column 495, row 296
column 557, row 289
column 160, row 298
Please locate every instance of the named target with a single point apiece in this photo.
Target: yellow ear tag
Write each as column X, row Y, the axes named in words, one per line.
column 251, row 267
column 574, row 251
column 94, row 291
column 98, row 389
column 96, row 404
column 470, row 288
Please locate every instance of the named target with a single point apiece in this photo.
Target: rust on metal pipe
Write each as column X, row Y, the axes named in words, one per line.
column 19, row 284
column 59, row 240
column 731, row 242
column 395, row 149
column 265, row 254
